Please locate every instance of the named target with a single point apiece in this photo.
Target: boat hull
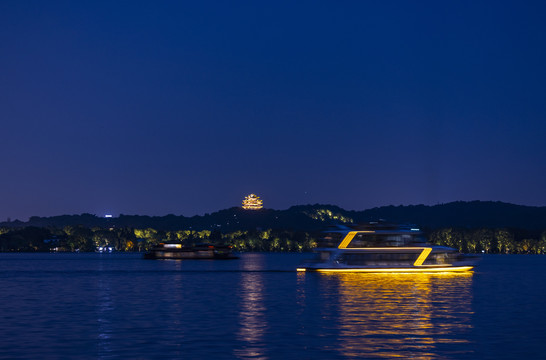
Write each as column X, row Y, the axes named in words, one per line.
column 390, row 270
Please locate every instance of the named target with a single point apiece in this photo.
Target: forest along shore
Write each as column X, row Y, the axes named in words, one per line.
column 85, row 239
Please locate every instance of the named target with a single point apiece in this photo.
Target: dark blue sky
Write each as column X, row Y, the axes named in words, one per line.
column 158, row 107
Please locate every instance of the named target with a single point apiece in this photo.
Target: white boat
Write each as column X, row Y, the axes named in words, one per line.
column 383, row 247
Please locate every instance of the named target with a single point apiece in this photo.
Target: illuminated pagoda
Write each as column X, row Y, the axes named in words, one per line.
column 252, row 202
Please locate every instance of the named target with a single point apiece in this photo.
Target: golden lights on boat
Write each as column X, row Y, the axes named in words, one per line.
column 422, row 257
column 419, row 267
column 396, row 270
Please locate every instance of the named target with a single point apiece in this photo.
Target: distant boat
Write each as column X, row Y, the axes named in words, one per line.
column 383, row 247
column 198, row 252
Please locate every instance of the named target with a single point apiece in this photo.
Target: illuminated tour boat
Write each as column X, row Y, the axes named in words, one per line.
column 383, row 247
column 200, row 251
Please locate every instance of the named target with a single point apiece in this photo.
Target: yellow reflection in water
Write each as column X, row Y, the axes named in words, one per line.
column 252, row 321
column 403, row 315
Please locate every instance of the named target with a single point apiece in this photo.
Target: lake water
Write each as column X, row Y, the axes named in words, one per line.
column 119, row 306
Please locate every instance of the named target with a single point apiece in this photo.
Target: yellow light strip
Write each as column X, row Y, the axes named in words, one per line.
column 422, row 257
column 401, row 270
column 300, row 269
column 387, row 248
column 350, row 235
column 347, row 240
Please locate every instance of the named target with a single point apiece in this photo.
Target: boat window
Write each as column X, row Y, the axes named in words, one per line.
column 324, row 255
column 172, row 246
column 442, row 258
column 367, row 240
column 330, row 240
column 379, row 259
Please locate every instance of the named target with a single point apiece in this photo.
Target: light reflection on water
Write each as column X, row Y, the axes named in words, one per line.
column 89, row 306
column 105, row 306
column 403, row 315
column 252, row 321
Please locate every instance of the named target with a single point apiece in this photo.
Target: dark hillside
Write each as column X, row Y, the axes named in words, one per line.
column 475, row 214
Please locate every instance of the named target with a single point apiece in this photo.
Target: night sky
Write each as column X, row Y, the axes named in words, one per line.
column 152, row 108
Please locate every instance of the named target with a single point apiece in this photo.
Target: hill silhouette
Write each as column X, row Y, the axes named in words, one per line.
column 461, row 214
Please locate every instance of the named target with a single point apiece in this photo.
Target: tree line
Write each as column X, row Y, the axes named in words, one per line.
column 85, row 239
column 491, row 241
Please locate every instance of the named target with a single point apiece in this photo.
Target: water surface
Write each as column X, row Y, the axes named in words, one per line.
column 119, row 306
